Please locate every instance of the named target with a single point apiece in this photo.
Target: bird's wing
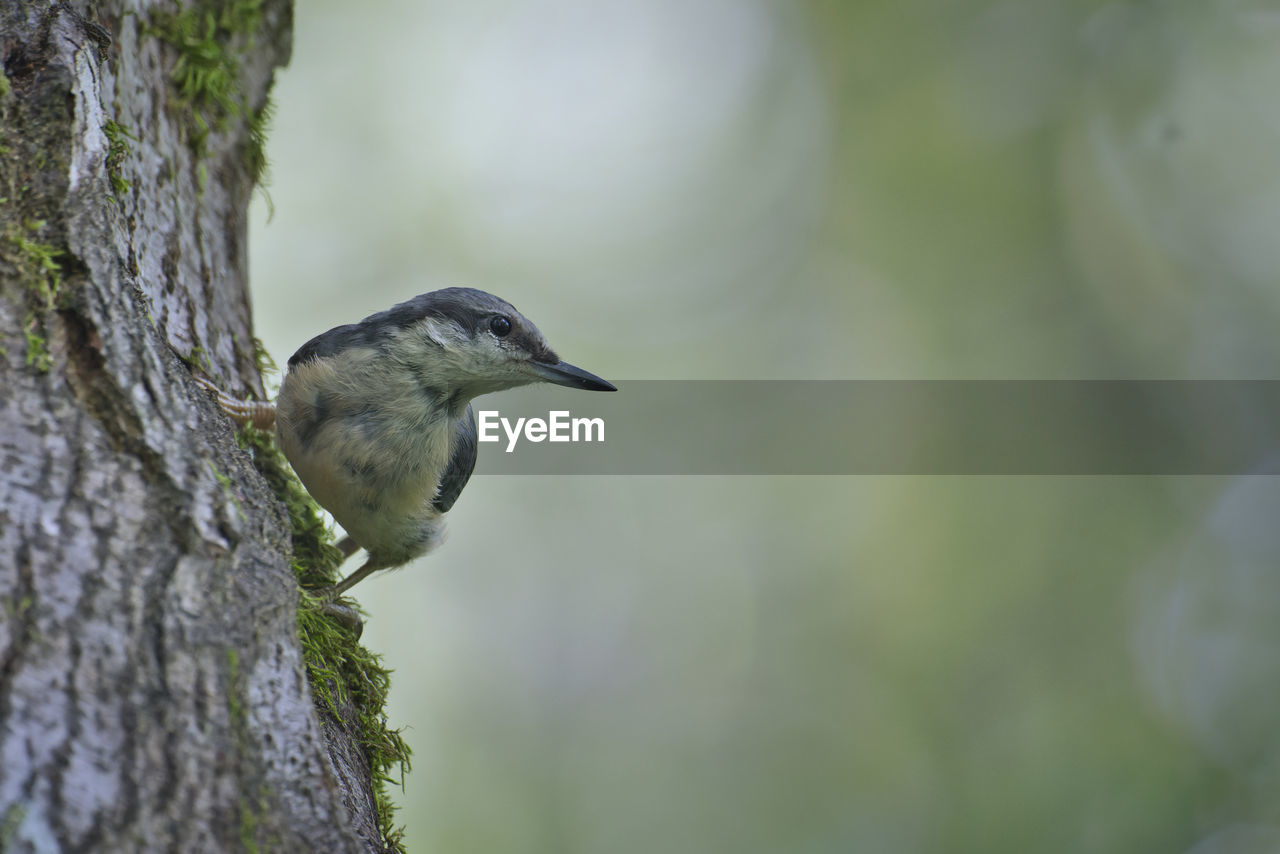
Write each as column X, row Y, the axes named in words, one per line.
column 461, row 463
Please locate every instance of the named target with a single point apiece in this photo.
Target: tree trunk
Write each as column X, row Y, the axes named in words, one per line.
column 154, row 693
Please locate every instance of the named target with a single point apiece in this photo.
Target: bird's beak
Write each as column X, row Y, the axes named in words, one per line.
column 563, row 373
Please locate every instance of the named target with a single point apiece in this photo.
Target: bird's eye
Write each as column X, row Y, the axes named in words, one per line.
column 500, row 326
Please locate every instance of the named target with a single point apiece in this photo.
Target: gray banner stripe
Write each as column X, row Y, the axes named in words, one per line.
column 1211, row 427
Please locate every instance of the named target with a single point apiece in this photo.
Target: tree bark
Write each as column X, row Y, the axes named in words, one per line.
column 153, row 690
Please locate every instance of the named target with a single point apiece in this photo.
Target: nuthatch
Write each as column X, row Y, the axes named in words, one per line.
column 376, row 417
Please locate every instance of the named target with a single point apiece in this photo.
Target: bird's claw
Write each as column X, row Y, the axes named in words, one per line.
column 346, row 615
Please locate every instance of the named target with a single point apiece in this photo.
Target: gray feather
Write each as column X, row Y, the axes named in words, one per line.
column 461, row 463
column 467, row 308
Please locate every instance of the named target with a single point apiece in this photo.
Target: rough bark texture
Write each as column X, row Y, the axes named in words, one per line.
column 153, row 695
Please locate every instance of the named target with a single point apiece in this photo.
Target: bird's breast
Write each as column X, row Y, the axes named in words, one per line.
column 375, row 464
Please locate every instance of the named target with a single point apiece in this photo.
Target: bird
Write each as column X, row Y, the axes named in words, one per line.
column 376, row 418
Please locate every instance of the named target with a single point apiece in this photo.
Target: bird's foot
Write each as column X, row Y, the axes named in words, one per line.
column 328, row 597
column 345, row 615
column 256, row 412
column 325, row 599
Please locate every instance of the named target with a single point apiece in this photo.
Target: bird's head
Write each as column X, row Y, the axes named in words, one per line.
column 469, row 343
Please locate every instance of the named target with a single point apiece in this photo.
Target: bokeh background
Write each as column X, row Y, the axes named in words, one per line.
column 880, row 189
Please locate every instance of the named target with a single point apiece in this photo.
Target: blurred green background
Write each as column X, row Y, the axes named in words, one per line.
column 744, row 189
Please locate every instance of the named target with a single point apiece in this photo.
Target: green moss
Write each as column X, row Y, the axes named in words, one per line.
column 255, row 156
column 252, row 808
column 343, row 674
column 262, row 359
column 206, row 74
column 238, row 17
column 227, row 487
column 37, row 263
column 9, row 825
column 37, row 268
column 15, row 609
column 118, row 137
column 37, row 353
column 199, row 359
column 235, row 706
column 220, row 477
column 249, row 819
column 5, row 86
